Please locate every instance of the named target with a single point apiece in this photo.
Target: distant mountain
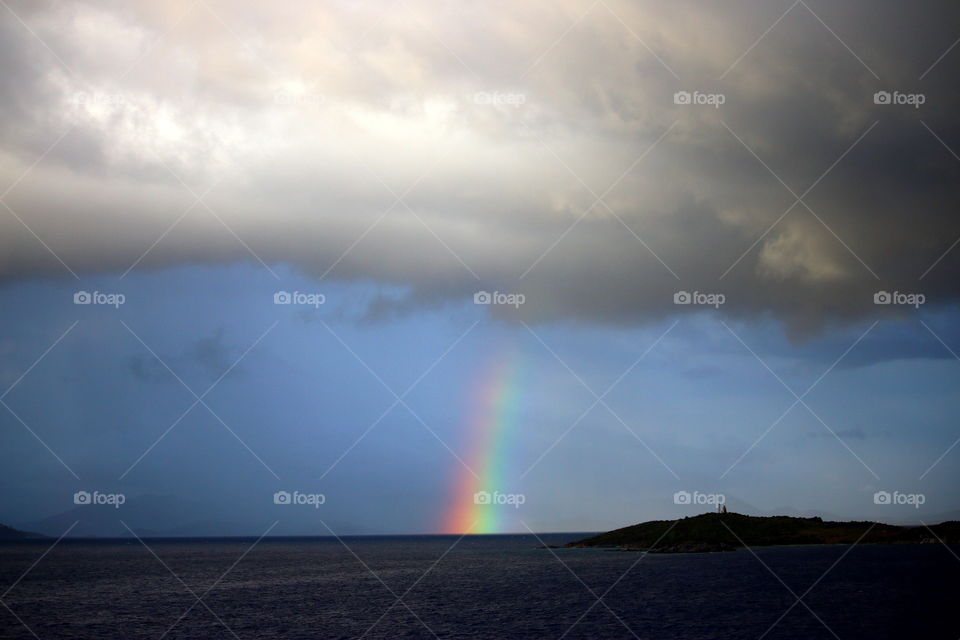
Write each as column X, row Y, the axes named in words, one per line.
column 147, row 515
column 727, row 531
column 942, row 516
column 151, row 516
column 9, row 533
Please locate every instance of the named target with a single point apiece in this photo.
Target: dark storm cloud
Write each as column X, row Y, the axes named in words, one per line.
column 211, row 355
column 306, row 122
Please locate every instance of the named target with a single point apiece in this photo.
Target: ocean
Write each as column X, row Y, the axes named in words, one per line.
column 480, row 587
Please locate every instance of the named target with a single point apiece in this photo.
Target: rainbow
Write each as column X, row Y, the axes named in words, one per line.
column 494, row 408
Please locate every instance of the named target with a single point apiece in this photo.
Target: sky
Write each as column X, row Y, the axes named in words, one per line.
column 362, row 268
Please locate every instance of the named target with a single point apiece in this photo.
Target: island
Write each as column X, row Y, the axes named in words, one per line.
column 728, row 531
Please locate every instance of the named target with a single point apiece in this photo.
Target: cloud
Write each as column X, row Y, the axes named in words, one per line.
column 210, row 354
column 445, row 151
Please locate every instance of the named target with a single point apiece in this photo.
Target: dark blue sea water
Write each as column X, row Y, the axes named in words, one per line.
column 484, row 587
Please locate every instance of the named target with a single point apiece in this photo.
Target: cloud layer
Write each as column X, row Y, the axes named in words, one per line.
column 536, row 148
